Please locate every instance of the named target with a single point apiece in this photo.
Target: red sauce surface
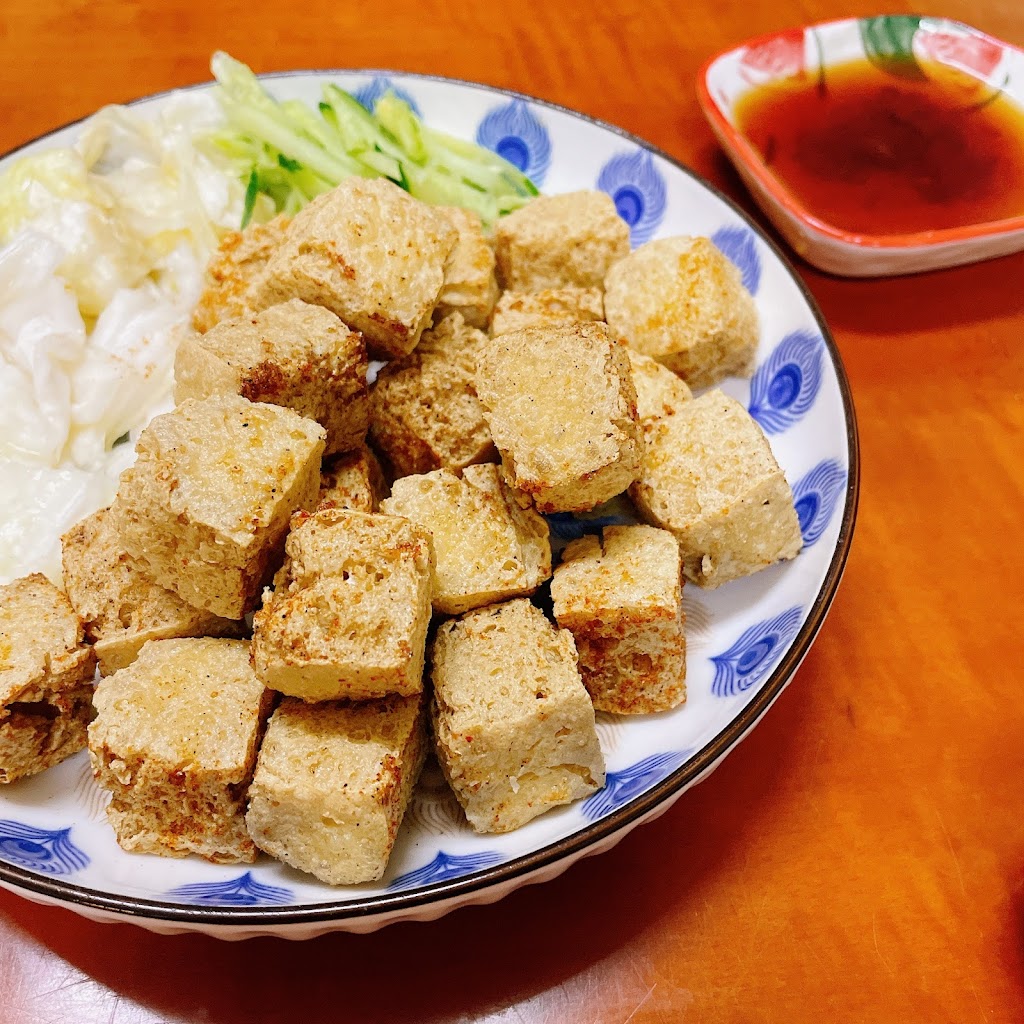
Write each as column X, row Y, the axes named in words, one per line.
column 875, row 153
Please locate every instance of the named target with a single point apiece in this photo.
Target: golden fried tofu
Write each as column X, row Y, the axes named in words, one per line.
column 370, row 253
column 487, row 547
column 470, row 287
column 709, row 476
column 354, row 480
column 295, row 355
column 516, row 311
column 206, row 505
column 333, row 782
column 120, row 606
column 233, row 270
column 561, row 406
column 174, row 743
column 349, row 613
column 621, row 598
column 659, row 391
column 513, row 723
column 424, row 410
column 572, row 239
column 46, row 673
column 682, row 302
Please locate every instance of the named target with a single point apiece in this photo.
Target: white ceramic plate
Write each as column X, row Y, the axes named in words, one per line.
column 745, row 640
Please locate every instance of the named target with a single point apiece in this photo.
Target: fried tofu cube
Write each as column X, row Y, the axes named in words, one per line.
column 46, row 674
column 349, row 614
column 354, row 480
column 682, row 301
column 659, row 391
column 120, row 606
column 516, row 311
column 487, row 547
column 174, row 743
column 333, row 782
column 294, row 355
column 513, row 723
column 205, row 508
column 370, row 253
column 561, row 406
column 570, row 239
column 621, row 598
column 234, row 271
column 424, row 410
column 709, row 476
column 470, row 288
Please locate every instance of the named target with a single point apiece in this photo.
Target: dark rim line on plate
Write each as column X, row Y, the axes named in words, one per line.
column 630, row 813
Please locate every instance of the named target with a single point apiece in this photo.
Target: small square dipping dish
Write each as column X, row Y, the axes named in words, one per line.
column 905, row 46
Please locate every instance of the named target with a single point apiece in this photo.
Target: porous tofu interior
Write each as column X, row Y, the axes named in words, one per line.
column 554, row 401
column 332, row 784
column 182, row 703
column 715, row 452
column 40, row 638
column 356, row 586
column 659, row 391
column 483, row 542
column 509, row 665
column 256, row 451
column 114, row 596
column 631, row 568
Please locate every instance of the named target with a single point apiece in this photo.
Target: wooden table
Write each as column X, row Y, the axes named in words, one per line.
column 860, row 857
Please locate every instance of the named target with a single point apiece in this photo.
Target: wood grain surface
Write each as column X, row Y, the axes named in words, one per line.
column 860, row 857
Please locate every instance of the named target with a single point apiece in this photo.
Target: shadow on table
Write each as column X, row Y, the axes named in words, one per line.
column 540, row 943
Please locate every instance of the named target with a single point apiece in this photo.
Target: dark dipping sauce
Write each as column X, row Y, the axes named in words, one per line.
column 875, row 153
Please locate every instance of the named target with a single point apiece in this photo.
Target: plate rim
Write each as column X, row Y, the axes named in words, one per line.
column 399, row 904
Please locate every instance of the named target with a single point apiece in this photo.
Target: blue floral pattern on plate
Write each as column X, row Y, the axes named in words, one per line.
column 816, row 496
column 620, row 787
column 514, row 132
column 786, row 385
column 445, row 866
column 750, row 658
column 243, row 891
column 740, row 245
column 638, row 190
column 368, row 94
column 48, row 850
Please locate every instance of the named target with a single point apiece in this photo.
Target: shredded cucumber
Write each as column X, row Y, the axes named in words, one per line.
column 287, row 153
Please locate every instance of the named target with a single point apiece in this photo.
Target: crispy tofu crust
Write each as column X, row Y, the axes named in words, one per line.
column 349, row 614
column 234, row 270
column 175, row 742
column 120, row 606
column 572, row 239
column 215, row 545
column 470, row 288
column 294, row 355
column 709, row 476
column 46, row 673
column 424, row 409
column 487, row 547
column 681, row 301
column 370, row 253
column 513, row 724
column 354, row 480
column 333, row 782
column 561, row 405
column 621, row 598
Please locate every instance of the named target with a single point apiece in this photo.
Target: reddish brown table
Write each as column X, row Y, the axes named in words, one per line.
column 860, row 856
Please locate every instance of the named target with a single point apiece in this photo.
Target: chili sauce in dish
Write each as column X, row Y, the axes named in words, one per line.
column 876, row 153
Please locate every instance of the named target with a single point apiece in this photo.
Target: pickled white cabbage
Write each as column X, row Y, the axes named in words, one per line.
column 103, row 247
